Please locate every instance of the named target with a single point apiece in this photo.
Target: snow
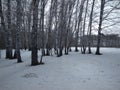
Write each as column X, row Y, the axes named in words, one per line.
column 75, row 71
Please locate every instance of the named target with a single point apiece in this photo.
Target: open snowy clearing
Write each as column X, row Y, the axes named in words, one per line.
column 69, row 72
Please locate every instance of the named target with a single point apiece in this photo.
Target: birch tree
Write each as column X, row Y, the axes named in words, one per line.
column 83, row 38
column 34, row 53
column 43, row 4
column 90, row 27
column 79, row 21
column 8, row 33
column 49, row 36
column 18, row 28
column 2, row 21
column 69, row 14
column 99, row 28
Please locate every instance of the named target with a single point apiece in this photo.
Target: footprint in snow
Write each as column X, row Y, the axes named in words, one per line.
column 30, row 75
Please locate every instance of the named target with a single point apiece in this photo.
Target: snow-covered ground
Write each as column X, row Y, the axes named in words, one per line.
column 69, row 72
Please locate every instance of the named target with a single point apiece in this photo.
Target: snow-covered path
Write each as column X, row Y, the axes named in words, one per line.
column 71, row 72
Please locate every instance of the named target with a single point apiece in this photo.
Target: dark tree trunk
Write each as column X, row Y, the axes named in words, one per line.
column 61, row 27
column 66, row 51
column 18, row 25
column 60, row 52
column 79, row 21
column 47, row 52
column 15, row 54
column 49, row 36
column 9, row 34
column 68, row 25
column 70, row 49
column 34, row 60
column 83, row 39
column 99, row 28
column 42, row 30
column 7, row 31
column 75, row 29
column 90, row 27
column 76, row 49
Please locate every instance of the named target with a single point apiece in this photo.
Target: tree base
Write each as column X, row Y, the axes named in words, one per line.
column 47, row 55
column 20, row 62
column 70, row 50
column 15, row 55
column 98, row 53
column 35, row 64
column 12, row 58
column 76, row 50
column 89, row 52
column 66, row 53
column 59, row 55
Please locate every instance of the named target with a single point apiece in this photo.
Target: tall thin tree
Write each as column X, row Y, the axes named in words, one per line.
column 90, row 27
column 18, row 29
column 99, row 28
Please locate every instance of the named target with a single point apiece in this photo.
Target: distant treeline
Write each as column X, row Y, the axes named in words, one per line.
column 109, row 40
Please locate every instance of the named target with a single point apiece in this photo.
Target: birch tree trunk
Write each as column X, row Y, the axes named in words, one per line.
column 84, row 39
column 99, row 28
column 68, row 26
column 60, row 28
column 90, row 28
column 34, row 53
column 49, row 37
column 29, row 26
column 79, row 23
column 43, row 3
column 8, row 33
column 56, row 27
column 75, row 28
column 18, row 28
